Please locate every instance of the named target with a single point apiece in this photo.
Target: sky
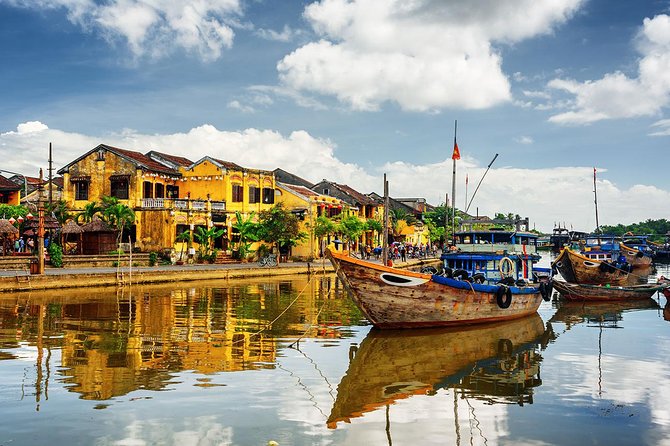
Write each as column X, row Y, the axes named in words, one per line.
column 350, row 90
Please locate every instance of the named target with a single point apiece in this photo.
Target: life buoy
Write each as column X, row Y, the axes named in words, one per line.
column 506, row 267
column 503, row 296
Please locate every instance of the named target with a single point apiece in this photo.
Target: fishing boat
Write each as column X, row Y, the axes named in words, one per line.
column 398, row 298
column 498, row 363
column 577, row 268
column 580, row 292
column 489, row 256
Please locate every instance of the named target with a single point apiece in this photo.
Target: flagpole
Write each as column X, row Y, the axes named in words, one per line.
column 480, row 183
column 465, row 203
column 453, row 189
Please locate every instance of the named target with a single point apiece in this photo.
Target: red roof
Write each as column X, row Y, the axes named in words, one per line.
column 5, row 184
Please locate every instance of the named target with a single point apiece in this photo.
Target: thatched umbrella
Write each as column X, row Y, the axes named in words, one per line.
column 8, row 234
column 68, row 229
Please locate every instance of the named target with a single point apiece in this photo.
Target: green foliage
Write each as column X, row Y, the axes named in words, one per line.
column 55, row 255
column 153, row 258
column 60, row 210
column 118, row 216
column 351, row 228
column 435, row 233
column 655, row 228
column 90, row 210
column 248, row 231
column 205, row 239
column 279, row 226
column 8, row 211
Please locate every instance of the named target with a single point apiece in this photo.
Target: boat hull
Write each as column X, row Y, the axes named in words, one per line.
column 576, row 268
column 582, row 292
column 395, row 298
column 635, row 257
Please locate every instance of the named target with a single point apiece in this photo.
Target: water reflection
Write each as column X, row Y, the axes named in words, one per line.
column 497, row 363
column 116, row 341
column 572, row 313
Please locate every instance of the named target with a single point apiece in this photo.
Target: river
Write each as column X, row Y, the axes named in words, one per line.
column 294, row 362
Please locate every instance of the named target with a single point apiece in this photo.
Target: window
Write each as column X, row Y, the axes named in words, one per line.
column 254, row 194
column 119, row 187
column 238, row 193
column 81, row 190
column 148, row 190
column 268, row 195
column 172, row 191
column 160, row 190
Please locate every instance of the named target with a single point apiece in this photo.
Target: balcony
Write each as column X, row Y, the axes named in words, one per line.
column 180, row 204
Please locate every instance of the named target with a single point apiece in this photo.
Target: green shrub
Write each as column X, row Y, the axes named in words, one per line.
column 153, row 257
column 56, row 255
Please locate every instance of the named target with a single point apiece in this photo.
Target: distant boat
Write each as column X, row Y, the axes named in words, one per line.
column 611, row 247
column 572, row 313
column 582, row 292
column 397, row 298
column 577, row 268
column 497, row 363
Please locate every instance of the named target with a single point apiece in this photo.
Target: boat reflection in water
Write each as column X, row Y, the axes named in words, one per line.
column 573, row 313
column 498, row 363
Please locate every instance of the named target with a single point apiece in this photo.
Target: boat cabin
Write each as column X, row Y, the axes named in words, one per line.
column 493, row 255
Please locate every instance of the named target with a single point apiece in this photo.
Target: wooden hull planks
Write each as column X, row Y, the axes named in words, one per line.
column 396, row 298
column 576, row 268
column 581, row 292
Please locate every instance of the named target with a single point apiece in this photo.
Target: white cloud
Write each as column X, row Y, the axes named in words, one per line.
column 424, row 54
column 563, row 194
column 153, row 27
column 285, row 35
column 616, row 95
column 236, row 105
column 524, row 140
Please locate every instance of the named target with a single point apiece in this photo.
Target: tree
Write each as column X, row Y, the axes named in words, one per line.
column 323, row 227
column 248, row 231
column 120, row 217
column 205, row 239
column 280, row 226
column 351, row 228
column 60, row 210
column 376, row 226
column 184, row 237
column 90, row 210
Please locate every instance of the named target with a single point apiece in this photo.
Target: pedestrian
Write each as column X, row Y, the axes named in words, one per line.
column 31, row 244
column 403, row 253
column 22, row 244
column 17, row 245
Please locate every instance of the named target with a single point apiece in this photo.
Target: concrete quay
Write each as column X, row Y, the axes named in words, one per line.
column 12, row 280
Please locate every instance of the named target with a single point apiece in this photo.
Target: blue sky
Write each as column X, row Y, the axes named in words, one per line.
column 351, row 89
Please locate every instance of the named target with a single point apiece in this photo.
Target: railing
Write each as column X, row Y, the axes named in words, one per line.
column 181, row 204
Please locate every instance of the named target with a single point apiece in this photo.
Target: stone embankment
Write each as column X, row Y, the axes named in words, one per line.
column 16, row 280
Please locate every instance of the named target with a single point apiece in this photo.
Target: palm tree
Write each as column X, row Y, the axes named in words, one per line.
column 60, row 210
column 119, row 216
column 248, row 230
column 90, row 210
column 205, row 238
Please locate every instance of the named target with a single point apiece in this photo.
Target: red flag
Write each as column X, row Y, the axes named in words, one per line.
column 457, row 154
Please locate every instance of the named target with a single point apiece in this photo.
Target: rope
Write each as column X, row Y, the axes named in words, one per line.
column 317, row 317
column 269, row 324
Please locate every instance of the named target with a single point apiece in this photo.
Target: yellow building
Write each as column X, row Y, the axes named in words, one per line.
column 10, row 193
column 308, row 205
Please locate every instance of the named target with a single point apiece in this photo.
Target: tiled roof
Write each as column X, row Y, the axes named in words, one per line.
column 228, row 164
column 359, row 197
column 141, row 159
column 178, row 160
column 5, row 184
column 301, row 190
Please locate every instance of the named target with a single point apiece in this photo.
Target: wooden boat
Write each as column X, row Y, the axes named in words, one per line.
column 497, row 362
column 397, row 298
column 575, row 291
column 576, row 268
column 664, row 281
column 636, row 257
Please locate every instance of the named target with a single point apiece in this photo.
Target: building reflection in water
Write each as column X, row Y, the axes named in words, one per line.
column 113, row 342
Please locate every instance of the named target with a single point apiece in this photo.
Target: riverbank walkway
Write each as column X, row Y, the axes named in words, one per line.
column 78, row 277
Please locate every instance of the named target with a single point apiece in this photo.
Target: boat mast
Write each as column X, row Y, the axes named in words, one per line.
column 385, row 238
column 480, row 183
column 595, row 196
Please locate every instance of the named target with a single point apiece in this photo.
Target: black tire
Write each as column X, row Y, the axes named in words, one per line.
column 503, row 296
column 460, row 274
column 478, row 278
